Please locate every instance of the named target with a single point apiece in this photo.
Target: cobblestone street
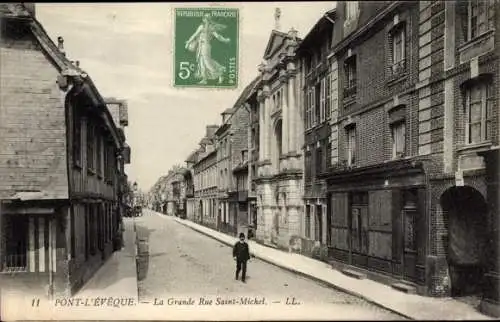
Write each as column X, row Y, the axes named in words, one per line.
column 175, row 261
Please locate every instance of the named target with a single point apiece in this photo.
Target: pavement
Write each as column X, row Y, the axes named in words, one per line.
column 118, row 276
column 410, row 306
column 110, row 294
column 179, row 263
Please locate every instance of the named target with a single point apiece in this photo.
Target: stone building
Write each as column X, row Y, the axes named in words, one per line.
column 226, row 217
column 279, row 181
column 189, row 178
column 412, row 175
column 232, row 165
column 205, row 180
column 320, row 102
column 60, row 174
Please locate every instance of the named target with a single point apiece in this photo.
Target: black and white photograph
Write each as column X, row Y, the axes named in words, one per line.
column 250, row 161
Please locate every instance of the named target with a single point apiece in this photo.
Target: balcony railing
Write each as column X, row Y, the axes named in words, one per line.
column 398, row 68
column 351, row 88
column 15, row 263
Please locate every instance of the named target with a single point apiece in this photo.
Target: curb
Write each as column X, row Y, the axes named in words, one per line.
column 313, row 278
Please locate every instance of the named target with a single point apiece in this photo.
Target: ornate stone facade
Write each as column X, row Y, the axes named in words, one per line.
column 279, row 177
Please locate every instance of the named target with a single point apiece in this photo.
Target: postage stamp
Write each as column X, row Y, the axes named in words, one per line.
column 206, row 47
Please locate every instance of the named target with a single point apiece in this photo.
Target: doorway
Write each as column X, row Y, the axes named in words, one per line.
column 359, row 228
column 465, row 211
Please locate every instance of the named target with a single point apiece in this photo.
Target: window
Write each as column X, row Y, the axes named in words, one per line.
column 351, row 9
column 309, row 108
column 98, row 140
column 398, row 139
column 15, row 243
column 307, row 166
column 398, row 47
column 351, row 144
column 327, row 86
column 478, row 109
column 77, row 138
column 322, row 101
column 317, row 103
column 350, row 76
column 319, row 160
column 90, row 147
column 307, row 225
column 480, row 18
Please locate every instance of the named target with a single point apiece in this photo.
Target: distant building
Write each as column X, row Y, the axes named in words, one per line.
column 232, row 165
column 205, row 180
column 60, row 175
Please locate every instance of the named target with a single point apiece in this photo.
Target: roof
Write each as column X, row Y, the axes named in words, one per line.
column 192, row 157
column 228, row 111
column 318, row 27
column 247, row 91
column 276, row 39
column 37, row 169
column 65, row 66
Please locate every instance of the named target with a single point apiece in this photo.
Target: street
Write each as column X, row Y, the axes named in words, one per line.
column 175, row 261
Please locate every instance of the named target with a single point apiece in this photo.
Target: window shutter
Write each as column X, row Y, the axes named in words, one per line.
column 322, row 100
column 313, row 104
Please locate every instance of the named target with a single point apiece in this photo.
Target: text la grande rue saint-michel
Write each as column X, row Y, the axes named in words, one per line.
column 244, row 300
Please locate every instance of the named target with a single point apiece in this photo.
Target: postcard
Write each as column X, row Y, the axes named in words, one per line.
column 241, row 161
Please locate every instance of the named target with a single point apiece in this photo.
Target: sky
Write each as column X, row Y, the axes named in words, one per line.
column 127, row 49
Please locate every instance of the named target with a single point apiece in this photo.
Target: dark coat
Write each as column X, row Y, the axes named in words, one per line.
column 241, row 251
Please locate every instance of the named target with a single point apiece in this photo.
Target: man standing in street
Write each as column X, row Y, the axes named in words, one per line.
column 241, row 255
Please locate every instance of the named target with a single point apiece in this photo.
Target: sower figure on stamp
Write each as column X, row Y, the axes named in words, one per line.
column 241, row 254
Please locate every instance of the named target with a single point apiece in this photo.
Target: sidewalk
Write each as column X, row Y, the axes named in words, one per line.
column 408, row 305
column 118, row 276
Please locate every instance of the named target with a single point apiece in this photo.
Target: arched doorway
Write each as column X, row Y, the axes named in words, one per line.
column 278, row 149
column 465, row 215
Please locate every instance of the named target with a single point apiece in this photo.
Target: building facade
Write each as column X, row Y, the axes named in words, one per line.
column 253, row 157
column 226, row 217
column 320, row 101
column 205, row 180
column 61, row 183
column 280, row 166
column 412, row 138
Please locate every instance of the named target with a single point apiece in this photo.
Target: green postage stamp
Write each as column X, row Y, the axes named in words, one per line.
column 206, row 47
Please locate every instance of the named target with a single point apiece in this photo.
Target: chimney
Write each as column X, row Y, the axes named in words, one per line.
column 77, row 63
column 30, row 7
column 211, row 129
column 60, row 45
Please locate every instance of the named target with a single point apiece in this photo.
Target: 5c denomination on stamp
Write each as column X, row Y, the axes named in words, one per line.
column 206, row 47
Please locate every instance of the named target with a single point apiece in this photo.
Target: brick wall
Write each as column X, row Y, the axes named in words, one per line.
column 378, row 91
column 240, row 122
column 32, row 122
